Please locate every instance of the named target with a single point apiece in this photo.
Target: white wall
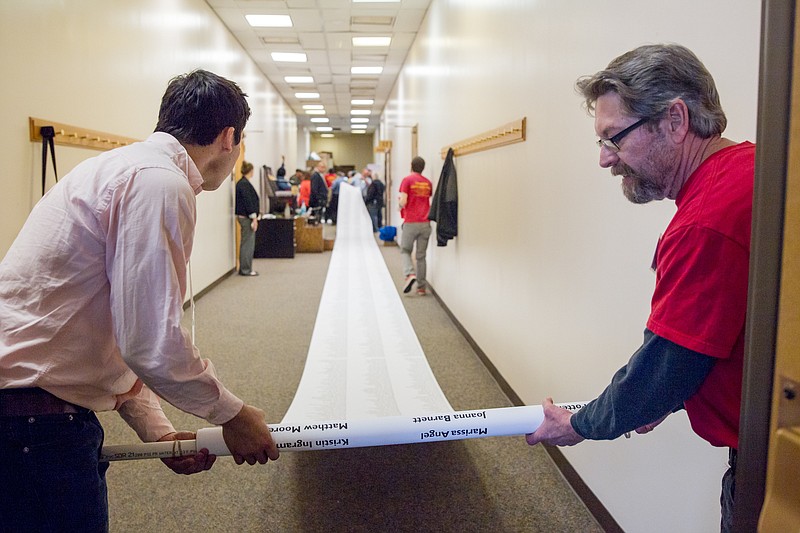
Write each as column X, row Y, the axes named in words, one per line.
column 550, row 271
column 104, row 66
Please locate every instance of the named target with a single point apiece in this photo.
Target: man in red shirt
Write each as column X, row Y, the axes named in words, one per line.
column 415, row 202
column 660, row 124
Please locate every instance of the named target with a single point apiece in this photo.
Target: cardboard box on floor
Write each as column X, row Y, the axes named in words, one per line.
column 308, row 239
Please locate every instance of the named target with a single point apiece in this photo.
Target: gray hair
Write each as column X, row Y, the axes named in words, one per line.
column 648, row 78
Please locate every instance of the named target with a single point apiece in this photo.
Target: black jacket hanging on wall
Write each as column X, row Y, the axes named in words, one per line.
column 444, row 207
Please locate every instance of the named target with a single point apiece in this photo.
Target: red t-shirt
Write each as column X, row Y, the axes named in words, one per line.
column 304, row 194
column 419, row 189
column 700, row 298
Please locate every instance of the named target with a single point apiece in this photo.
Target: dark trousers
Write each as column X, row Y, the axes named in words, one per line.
column 375, row 212
column 728, row 489
column 333, row 208
column 51, row 479
column 247, row 246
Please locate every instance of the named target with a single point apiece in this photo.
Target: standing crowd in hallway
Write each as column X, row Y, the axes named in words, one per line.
column 318, row 192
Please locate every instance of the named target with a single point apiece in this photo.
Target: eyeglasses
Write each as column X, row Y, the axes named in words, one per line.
column 613, row 142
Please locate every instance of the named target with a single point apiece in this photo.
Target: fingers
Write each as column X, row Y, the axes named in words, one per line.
column 261, row 457
column 193, row 464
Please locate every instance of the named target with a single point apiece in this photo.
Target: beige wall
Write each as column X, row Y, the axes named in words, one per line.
column 104, row 66
column 347, row 149
column 550, row 271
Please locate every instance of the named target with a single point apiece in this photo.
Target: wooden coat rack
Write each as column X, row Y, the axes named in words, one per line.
column 75, row 136
column 513, row 132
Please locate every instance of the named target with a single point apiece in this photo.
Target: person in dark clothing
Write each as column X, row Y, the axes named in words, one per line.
column 318, row 199
column 660, row 123
column 283, row 185
column 375, row 203
column 247, row 216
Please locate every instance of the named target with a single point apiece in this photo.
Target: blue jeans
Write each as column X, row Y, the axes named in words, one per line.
column 52, row 479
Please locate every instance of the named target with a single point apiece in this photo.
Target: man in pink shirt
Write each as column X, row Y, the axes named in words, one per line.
column 91, row 295
column 415, row 203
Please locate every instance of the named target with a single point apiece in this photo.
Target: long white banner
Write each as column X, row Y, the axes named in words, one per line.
column 365, row 360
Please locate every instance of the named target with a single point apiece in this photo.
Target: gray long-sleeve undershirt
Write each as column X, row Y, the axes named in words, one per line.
column 658, row 378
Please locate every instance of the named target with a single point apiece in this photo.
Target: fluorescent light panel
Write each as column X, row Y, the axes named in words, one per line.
column 289, row 57
column 358, row 126
column 358, row 120
column 376, row 1
column 358, row 131
column 360, row 112
column 299, row 79
column 303, row 96
column 372, row 41
column 313, row 106
column 324, row 128
column 320, row 119
column 327, row 135
column 315, row 111
column 362, row 102
column 269, row 21
column 366, row 70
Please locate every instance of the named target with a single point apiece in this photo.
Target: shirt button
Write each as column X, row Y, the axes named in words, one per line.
column 25, row 449
column 31, row 420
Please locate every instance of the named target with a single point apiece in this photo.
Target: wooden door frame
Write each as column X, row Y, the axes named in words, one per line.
column 774, row 103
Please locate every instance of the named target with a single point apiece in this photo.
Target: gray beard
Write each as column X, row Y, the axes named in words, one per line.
column 640, row 190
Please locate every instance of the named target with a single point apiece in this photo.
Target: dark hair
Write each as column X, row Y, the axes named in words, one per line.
column 197, row 106
column 247, row 167
column 649, row 77
column 417, row 164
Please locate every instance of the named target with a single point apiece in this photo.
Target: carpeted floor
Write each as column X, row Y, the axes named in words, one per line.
column 257, row 331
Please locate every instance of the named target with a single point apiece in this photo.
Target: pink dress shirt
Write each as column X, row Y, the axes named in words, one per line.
column 92, row 291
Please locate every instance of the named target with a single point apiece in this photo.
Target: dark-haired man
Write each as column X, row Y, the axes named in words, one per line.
column 415, row 204
column 660, row 124
column 91, row 295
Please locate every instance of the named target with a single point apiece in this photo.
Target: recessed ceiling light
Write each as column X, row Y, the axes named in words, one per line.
column 315, row 111
column 289, row 57
column 372, row 41
column 324, row 128
column 327, row 135
column 362, row 102
column 269, row 21
column 358, row 131
column 320, row 119
column 359, row 120
column 366, row 70
column 299, row 79
column 303, row 96
column 376, row 1
column 313, row 106
column 360, row 112
column 358, row 126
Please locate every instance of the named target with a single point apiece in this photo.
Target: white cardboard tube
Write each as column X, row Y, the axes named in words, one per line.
column 301, row 436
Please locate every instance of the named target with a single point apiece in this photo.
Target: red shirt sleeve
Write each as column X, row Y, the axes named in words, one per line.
column 697, row 301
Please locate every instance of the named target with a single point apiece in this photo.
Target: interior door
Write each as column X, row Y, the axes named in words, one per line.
column 781, row 511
